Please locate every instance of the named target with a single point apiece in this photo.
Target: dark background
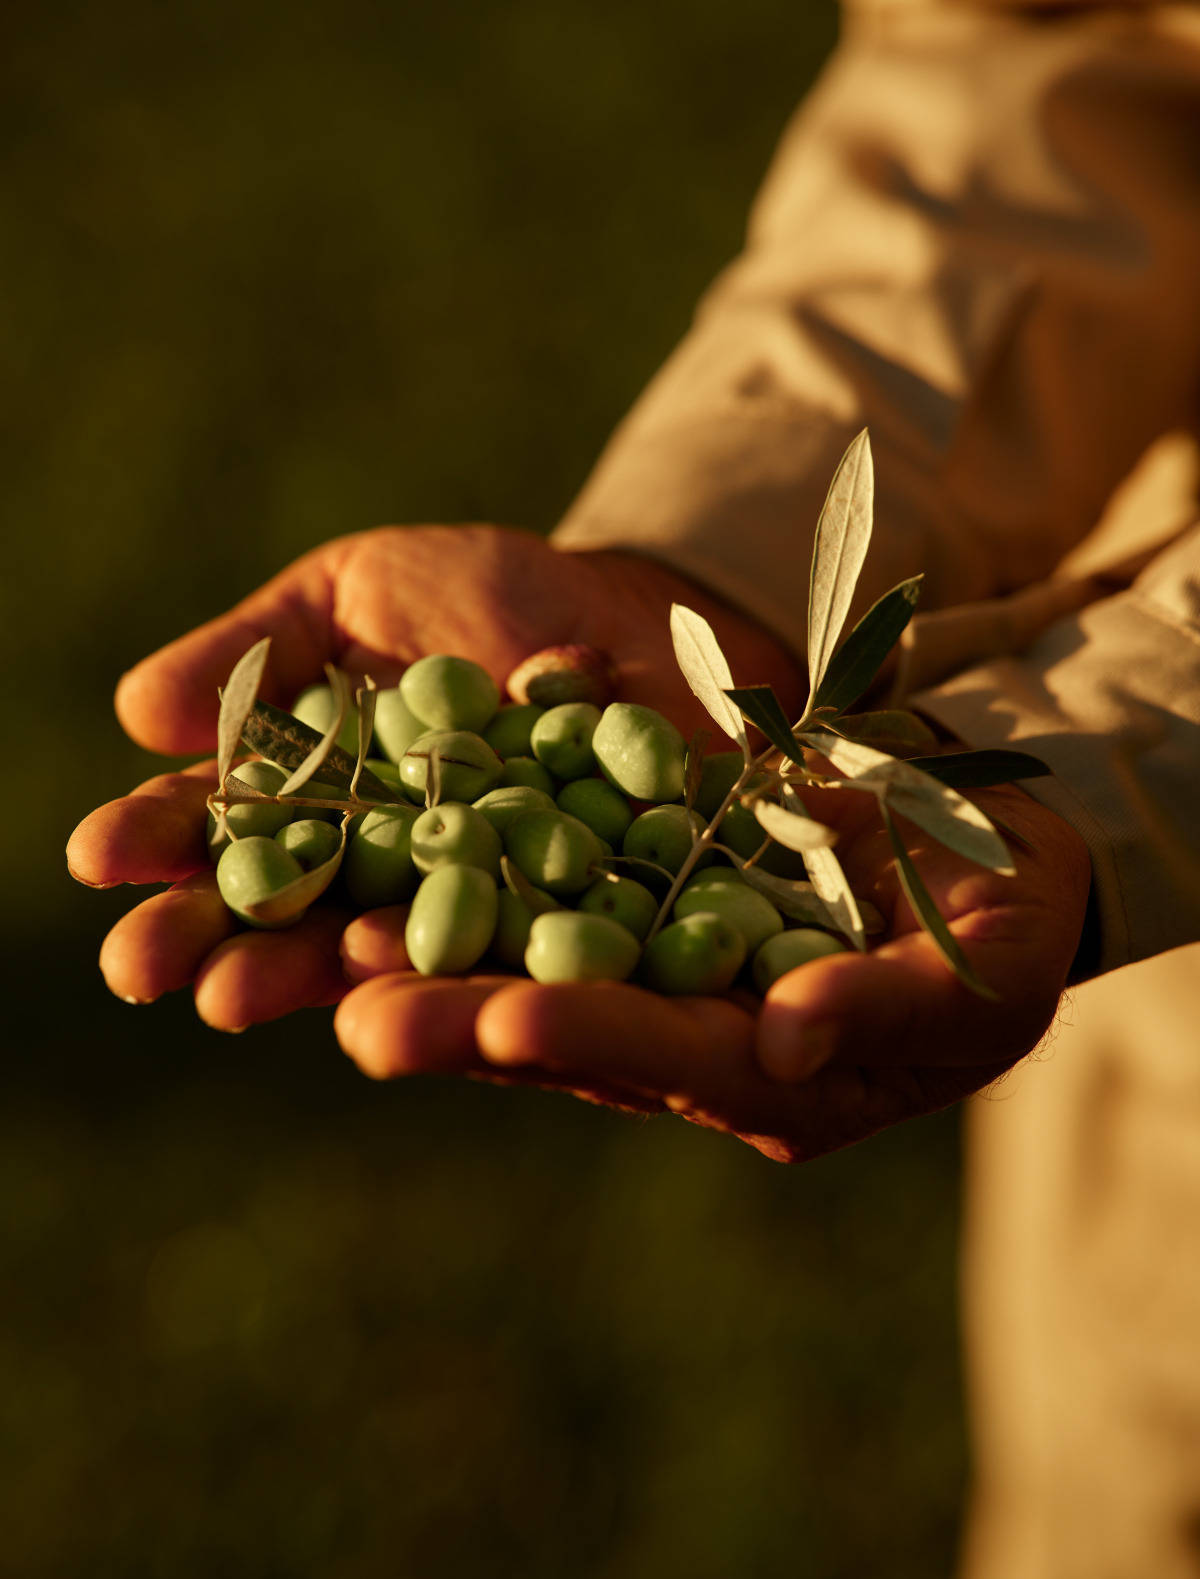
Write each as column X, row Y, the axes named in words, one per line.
column 271, row 274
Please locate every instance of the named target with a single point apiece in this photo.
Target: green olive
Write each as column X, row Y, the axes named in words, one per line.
column 571, row 945
column 788, row 950
column 702, row 953
column 469, row 765
column 552, row 850
column 505, row 802
column 623, row 900
column 664, row 835
column 508, row 733
column 450, row 693
column 378, row 867
column 752, row 913
column 640, row 751
column 529, row 772
column 253, row 869
column 310, row 840
column 513, row 921
column 396, row 725
column 246, row 819
column 596, row 802
column 315, row 707
column 452, row 920
column 453, row 833
column 562, row 739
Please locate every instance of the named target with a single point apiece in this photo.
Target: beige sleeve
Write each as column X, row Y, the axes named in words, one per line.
column 980, row 238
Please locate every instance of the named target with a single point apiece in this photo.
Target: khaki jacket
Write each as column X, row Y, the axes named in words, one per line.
column 980, row 238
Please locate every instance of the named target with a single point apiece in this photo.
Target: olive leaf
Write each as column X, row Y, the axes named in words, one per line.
column 929, row 916
column 799, row 901
column 860, row 657
column 300, row 776
column 952, row 820
column 764, row 710
column 237, row 700
column 888, row 728
column 839, row 549
column 706, row 670
column 796, row 831
column 284, row 740
column 287, row 905
column 365, row 699
column 978, row 769
column 829, row 881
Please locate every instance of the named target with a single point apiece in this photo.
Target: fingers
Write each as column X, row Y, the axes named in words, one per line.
column 169, row 701
column 408, row 1024
column 154, row 835
column 258, row 976
column 373, row 944
column 162, row 943
column 901, row 1006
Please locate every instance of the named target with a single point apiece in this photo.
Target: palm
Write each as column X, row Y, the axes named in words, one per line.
column 907, row 1037
column 371, row 602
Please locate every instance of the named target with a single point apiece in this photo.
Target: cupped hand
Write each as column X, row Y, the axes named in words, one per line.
column 371, row 603
column 840, row 1048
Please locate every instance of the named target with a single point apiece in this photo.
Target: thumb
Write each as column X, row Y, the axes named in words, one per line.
column 168, row 702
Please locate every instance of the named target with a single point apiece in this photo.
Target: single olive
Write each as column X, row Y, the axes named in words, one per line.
column 552, row 850
column 528, row 771
column 755, row 917
column 596, row 802
column 253, row 869
column 310, row 840
column 701, row 953
column 505, row 802
column 396, row 725
column 453, row 833
column 513, row 921
column 452, row 920
column 640, row 751
column 246, row 819
column 378, row 867
column 450, row 693
column 562, row 739
column 573, row 945
column 508, row 733
column 664, row 835
column 469, row 765
column 624, row 900
column 788, row 950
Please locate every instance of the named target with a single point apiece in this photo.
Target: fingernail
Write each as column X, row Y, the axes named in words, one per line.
column 128, row 997
column 71, row 870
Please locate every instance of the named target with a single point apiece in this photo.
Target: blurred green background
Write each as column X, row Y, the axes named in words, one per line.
column 272, row 274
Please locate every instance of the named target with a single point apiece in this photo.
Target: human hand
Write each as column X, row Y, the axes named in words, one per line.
column 840, row 1048
column 371, row 603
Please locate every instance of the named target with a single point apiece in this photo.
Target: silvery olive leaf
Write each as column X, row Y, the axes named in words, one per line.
column 952, row 820
column 978, row 769
column 765, row 711
column 289, row 904
column 706, row 670
column 799, row 901
column 795, row 831
column 237, row 700
column 340, row 686
column 892, row 730
column 929, row 916
column 284, row 740
column 365, row 699
column 839, row 549
column 858, row 660
column 830, row 882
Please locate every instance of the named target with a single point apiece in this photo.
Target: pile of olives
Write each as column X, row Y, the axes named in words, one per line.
column 542, row 838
